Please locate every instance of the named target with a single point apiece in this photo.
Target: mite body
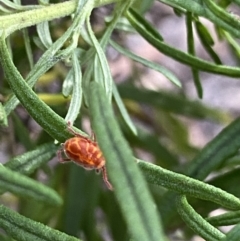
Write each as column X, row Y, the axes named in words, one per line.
column 84, row 152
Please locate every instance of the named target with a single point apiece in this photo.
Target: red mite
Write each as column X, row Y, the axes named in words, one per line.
column 84, row 152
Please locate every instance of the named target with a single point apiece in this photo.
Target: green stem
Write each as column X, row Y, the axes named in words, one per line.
column 17, row 21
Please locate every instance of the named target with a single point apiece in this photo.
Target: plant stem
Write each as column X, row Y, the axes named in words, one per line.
column 17, row 21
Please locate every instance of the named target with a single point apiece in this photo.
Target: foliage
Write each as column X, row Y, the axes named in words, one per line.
column 64, row 202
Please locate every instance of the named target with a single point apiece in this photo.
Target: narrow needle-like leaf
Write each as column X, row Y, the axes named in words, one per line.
column 24, row 229
column 196, row 222
column 128, row 183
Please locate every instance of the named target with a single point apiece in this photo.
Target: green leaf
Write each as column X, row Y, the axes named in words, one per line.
column 141, row 23
column 237, row 2
column 50, row 57
column 222, row 14
column 120, row 8
column 223, row 146
column 188, row 186
column 25, row 229
column 42, row 113
column 22, row 132
column 28, row 47
column 28, row 162
column 196, row 222
column 44, row 34
column 3, row 116
column 76, row 99
column 67, row 86
column 198, row 8
column 207, row 41
column 96, row 69
column 227, row 180
column 229, row 218
column 123, row 110
column 101, row 72
column 233, row 235
column 173, row 128
column 81, row 201
column 234, row 43
column 197, row 82
column 117, row 226
column 4, row 10
column 168, row 74
column 212, row 156
column 191, row 50
column 19, row 7
column 26, row 187
column 179, row 55
column 142, row 5
column 204, row 33
column 151, row 143
column 87, row 77
column 172, row 103
column 5, row 238
column 129, row 186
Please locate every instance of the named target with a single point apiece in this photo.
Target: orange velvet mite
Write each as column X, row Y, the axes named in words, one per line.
column 84, row 152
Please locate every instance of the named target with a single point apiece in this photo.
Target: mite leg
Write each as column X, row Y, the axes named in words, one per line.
column 93, row 136
column 105, row 178
column 61, row 159
column 71, row 130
